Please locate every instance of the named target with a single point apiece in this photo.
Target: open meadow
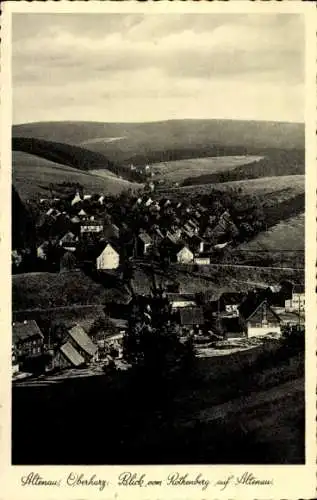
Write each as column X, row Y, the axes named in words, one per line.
column 179, row 170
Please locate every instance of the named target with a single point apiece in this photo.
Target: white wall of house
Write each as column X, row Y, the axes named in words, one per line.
column 147, row 247
column 108, row 259
column 202, row 261
column 176, row 304
column 296, row 303
column 41, row 254
column 185, row 256
column 91, row 229
column 258, row 331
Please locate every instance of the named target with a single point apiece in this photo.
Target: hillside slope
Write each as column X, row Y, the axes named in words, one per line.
column 171, row 139
column 61, row 153
column 32, row 176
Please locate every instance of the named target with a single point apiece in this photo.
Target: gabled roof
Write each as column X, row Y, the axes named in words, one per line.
column 24, row 330
column 251, row 304
column 231, row 298
column 103, row 247
column 82, row 212
column 171, row 238
column 145, row 238
column 78, row 334
column 183, row 247
column 191, row 316
column 72, row 355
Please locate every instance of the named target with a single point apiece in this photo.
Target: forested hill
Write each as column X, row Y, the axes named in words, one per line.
column 65, row 154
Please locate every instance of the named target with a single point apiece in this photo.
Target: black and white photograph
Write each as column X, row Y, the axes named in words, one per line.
column 158, row 239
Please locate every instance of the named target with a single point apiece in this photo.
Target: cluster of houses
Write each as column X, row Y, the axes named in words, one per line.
column 35, row 352
column 215, row 316
column 89, row 227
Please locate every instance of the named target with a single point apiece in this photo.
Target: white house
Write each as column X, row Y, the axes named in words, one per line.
column 41, row 251
column 148, row 202
column 184, row 256
column 297, row 302
column 108, row 258
column 259, row 318
column 145, row 242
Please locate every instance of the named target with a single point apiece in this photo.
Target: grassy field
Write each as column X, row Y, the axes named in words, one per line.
column 179, row 170
column 263, row 185
column 32, row 175
column 213, row 279
column 34, row 290
column 287, row 235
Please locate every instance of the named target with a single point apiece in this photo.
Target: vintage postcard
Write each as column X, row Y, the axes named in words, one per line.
column 158, row 246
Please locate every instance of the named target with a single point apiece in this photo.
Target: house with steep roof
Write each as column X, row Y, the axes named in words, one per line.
column 297, row 302
column 27, row 338
column 145, row 243
column 184, row 255
column 76, row 199
column 83, row 343
column 108, row 258
column 258, row 317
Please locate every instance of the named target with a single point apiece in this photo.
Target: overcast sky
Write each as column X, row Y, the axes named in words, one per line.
column 153, row 67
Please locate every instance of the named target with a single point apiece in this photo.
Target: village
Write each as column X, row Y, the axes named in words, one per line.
column 110, row 238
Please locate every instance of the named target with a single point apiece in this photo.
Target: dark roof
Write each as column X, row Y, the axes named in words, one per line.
column 25, row 330
column 78, row 334
column 231, row 298
column 145, row 238
column 299, row 288
column 251, row 304
column 181, row 296
column 191, row 316
column 72, row 354
column 231, row 325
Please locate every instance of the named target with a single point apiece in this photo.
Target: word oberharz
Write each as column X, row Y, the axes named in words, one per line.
column 174, row 479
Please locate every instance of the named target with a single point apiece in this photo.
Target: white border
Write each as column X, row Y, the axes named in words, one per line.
column 290, row 482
